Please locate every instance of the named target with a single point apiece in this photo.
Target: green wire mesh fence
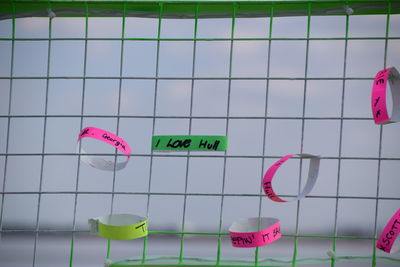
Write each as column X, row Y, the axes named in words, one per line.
column 193, row 11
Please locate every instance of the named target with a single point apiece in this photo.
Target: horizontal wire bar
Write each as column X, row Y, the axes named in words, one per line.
column 184, row 233
column 284, row 235
column 188, row 194
column 185, row 78
column 42, row 231
column 201, row 39
column 186, row 117
column 167, row 154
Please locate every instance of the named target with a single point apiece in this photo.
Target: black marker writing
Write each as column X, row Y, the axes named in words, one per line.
column 115, row 141
column 268, row 190
column 141, row 226
column 204, row 144
column 265, row 235
column 216, row 145
column 382, row 247
column 158, row 142
column 378, row 113
column 179, row 143
column 376, row 101
column 381, row 74
column 276, row 231
column 387, row 241
column 242, row 240
column 379, row 81
column 394, row 224
column 85, row 132
column 389, row 235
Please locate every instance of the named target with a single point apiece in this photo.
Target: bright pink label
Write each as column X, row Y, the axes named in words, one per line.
column 107, row 137
column 269, row 175
column 256, row 239
column 378, row 99
column 390, row 233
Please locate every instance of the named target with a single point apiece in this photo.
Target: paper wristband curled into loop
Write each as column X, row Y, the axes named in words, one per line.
column 189, row 142
column 109, row 138
column 119, row 226
column 378, row 99
column 312, row 177
column 389, row 235
column 245, row 233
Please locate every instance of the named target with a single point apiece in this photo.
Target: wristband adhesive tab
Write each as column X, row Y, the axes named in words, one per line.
column 245, row 233
column 119, row 226
column 106, row 137
column 389, row 234
column 189, row 142
column 312, row 177
column 378, row 99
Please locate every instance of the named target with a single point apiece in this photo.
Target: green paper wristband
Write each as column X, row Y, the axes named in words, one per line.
column 189, row 142
column 119, row 226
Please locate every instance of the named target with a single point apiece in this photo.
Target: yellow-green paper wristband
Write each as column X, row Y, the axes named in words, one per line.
column 189, row 142
column 119, row 226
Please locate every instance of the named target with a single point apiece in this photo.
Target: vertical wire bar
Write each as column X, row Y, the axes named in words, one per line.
column 71, row 256
column 8, row 118
column 121, row 65
column 256, row 255
column 380, row 143
column 302, row 133
column 43, row 143
column 346, row 40
column 226, row 133
column 154, row 123
column 190, row 132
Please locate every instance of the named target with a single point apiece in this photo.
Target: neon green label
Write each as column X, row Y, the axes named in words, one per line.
column 119, row 226
column 125, row 232
column 189, row 142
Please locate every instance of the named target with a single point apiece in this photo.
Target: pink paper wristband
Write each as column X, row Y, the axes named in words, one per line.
column 244, row 233
column 389, row 234
column 109, row 138
column 312, row 177
column 378, row 99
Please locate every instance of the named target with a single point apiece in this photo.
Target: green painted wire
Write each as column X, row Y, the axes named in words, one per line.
column 284, row 235
column 270, row 262
column 108, row 249
column 154, row 232
column 211, row 6
column 380, row 137
column 205, row 39
column 71, row 255
column 187, row 162
column 161, row 10
column 295, row 248
column 119, row 101
column 257, row 251
column 234, row 10
column 108, row 255
column 341, row 129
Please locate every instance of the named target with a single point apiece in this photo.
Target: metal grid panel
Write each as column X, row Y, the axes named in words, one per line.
column 180, row 259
